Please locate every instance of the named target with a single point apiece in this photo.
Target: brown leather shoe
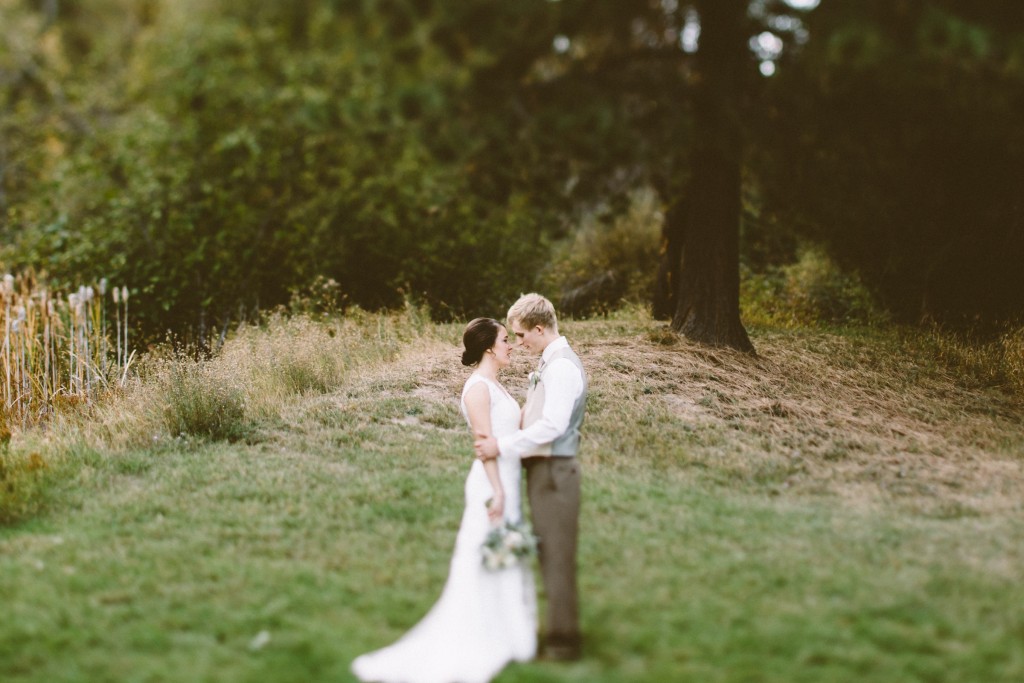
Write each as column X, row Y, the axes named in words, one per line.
column 561, row 649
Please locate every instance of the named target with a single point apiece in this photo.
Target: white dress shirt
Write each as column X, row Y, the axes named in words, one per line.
column 563, row 384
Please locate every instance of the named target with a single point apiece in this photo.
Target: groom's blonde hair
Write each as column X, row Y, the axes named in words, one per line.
column 531, row 310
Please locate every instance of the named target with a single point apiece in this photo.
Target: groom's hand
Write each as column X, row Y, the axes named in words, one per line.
column 486, row 447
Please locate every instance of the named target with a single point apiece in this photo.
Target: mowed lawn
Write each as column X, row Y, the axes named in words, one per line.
column 840, row 508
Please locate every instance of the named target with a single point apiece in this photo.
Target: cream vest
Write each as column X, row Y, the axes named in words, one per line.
column 568, row 443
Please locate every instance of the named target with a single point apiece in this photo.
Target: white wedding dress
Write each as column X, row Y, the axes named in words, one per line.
column 483, row 619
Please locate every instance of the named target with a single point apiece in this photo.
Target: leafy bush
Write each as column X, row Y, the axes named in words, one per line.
column 242, row 154
column 811, row 291
column 608, row 261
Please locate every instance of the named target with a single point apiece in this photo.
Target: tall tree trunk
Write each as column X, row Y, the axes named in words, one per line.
column 707, row 301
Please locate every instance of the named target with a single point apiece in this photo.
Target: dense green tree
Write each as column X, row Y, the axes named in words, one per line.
column 217, row 155
column 895, row 139
column 253, row 148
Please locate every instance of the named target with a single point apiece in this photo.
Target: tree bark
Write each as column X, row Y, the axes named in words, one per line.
column 707, row 301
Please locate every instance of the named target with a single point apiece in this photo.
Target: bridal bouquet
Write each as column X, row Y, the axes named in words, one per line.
column 508, row 544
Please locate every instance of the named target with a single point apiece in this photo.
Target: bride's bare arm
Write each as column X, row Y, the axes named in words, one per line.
column 478, row 408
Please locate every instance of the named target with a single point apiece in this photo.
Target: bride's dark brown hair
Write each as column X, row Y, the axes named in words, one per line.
column 480, row 335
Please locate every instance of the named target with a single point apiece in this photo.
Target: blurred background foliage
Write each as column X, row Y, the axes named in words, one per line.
column 219, row 156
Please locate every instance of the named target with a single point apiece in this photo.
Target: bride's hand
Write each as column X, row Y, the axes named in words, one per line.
column 496, row 507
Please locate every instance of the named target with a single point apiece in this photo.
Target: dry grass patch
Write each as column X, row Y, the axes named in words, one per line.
column 868, row 419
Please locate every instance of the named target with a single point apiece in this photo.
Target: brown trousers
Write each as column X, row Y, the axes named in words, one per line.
column 553, row 489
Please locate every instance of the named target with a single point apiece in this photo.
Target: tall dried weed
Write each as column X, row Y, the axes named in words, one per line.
column 56, row 349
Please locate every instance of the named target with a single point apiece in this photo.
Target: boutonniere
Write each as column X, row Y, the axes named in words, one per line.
column 534, row 378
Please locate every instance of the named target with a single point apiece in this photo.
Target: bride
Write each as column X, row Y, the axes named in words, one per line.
column 484, row 619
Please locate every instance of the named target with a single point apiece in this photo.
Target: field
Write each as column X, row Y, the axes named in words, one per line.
column 844, row 506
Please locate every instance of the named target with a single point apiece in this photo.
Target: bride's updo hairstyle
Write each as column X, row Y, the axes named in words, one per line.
column 480, row 335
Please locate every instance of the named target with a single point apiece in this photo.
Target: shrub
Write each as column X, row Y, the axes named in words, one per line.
column 605, row 263
column 811, row 291
column 199, row 401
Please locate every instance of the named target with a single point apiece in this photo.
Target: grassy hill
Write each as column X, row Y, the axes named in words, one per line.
column 844, row 506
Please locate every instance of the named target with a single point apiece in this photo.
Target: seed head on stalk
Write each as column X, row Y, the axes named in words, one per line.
column 124, row 297
column 52, row 331
column 44, row 310
column 117, row 322
column 73, row 307
column 8, row 291
column 88, row 293
column 103, row 326
column 21, row 370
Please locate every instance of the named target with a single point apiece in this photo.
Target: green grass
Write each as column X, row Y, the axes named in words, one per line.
column 820, row 513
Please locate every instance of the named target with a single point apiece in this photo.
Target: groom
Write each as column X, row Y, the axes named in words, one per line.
column 547, row 444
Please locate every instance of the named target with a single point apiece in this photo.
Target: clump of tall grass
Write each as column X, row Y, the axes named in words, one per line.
column 989, row 361
column 1013, row 359
column 290, row 355
column 56, row 349
column 200, row 400
column 249, row 381
column 56, row 353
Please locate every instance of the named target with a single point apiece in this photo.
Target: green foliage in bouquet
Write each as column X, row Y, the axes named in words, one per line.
column 507, row 545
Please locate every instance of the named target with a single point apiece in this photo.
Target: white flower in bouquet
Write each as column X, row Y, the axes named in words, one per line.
column 513, row 539
column 507, row 545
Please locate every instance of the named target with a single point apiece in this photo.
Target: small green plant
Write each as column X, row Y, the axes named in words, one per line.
column 23, row 480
